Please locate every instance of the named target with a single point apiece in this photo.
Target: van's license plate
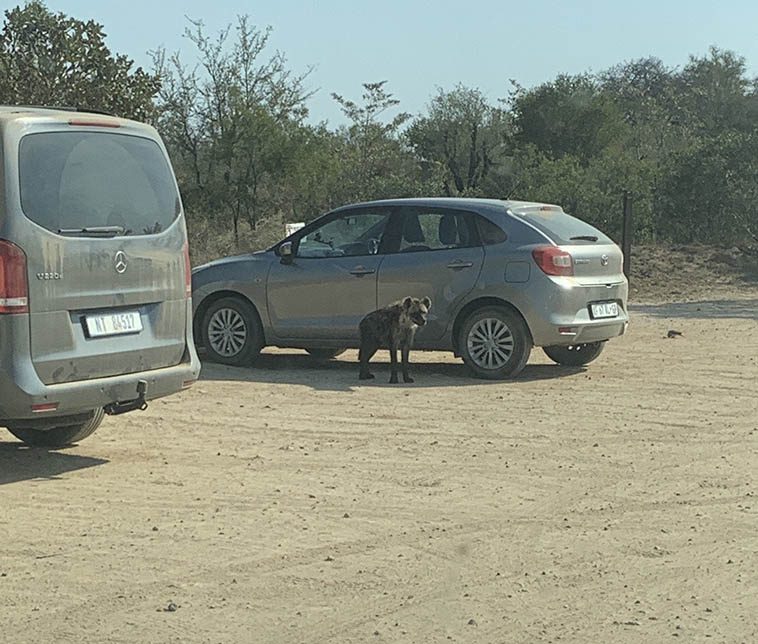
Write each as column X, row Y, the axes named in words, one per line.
column 601, row 310
column 113, row 323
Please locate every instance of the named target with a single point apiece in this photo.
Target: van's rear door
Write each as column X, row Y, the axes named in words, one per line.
column 99, row 221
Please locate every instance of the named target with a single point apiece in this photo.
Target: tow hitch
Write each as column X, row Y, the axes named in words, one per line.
column 121, row 407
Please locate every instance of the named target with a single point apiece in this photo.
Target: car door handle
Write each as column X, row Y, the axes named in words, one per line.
column 362, row 270
column 459, row 265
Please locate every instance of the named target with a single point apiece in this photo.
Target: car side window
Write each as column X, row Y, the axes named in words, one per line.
column 349, row 234
column 437, row 229
column 490, row 232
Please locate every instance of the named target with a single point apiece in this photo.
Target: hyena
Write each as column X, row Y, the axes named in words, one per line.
column 391, row 327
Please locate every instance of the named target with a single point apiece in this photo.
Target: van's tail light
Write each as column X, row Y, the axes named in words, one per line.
column 84, row 122
column 14, row 287
column 187, row 272
column 553, row 260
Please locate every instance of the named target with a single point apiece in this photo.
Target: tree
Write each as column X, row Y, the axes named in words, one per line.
column 53, row 60
column 465, row 139
column 374, row 163
column 709, row 193
column 648, row 98
column 716, row 93
column 230, row 123
column 569, row 115
column 689, row 145
column 314, row 177
column 653, row 128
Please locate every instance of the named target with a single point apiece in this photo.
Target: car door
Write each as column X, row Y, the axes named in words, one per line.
column 330, row 283
column 440, row 256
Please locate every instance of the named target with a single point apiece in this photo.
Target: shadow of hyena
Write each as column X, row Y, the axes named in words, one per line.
column 391, row 327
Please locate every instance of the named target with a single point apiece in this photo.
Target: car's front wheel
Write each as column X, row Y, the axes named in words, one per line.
column 574, row 355
column 231, row 332
column 494, row 343
column 59, row 436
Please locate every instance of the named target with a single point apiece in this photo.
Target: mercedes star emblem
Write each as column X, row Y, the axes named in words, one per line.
column 119, row 262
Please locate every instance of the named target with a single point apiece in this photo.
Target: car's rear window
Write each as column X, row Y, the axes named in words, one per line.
column 561, row 228
column 76, row 180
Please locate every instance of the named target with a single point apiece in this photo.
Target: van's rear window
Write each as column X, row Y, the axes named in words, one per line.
column 76, row 180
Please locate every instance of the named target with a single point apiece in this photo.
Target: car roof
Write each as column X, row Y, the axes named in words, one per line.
column 63, row 115
column 456, row 202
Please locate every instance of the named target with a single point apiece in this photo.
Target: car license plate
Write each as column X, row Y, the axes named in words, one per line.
column 113, row 323
column 600, row 310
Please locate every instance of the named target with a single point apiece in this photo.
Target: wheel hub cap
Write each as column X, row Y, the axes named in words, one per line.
column 490, row 343
column 227, row 332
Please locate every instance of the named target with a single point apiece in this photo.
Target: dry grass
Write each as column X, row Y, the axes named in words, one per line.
column 678, row 273
column 208, row 240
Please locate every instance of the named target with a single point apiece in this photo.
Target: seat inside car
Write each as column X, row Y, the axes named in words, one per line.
column 413, row 235
column 448, row 231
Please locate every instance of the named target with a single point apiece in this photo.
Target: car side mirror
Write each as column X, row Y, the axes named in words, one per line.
column 285, row 253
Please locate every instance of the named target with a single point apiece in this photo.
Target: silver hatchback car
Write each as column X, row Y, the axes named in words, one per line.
column 503, row 276
column 95, row 312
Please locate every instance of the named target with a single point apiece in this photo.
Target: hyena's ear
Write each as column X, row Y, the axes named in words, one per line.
column 407, row 302
column 427, row 302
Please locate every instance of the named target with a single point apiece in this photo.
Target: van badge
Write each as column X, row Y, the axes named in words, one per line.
column 119, row 262
column 49, row 275
column 604, row 260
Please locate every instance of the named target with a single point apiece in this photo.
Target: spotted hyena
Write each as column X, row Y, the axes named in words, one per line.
column 391, row 327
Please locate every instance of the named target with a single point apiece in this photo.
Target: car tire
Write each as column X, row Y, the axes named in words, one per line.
column 575, row 355
column 59, row 436
column 231, row 332
column 495, row 343
column 324, row 353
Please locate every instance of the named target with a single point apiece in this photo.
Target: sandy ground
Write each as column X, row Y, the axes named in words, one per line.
column 289, row 503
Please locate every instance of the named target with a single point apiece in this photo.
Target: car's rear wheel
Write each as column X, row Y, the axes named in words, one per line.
column 574, row 355
column 494, row 343
column 59, row 436
column 231, row 331
column 324, row 353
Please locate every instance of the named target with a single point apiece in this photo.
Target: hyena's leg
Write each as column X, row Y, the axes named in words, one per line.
column 365, row 353
column 405, row 353
column 393, row 361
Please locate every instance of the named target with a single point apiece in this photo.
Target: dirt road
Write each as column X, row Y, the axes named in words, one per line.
column 289, row 503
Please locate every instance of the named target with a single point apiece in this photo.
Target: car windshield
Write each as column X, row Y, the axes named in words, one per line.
column 95, row 182
column 562, row 228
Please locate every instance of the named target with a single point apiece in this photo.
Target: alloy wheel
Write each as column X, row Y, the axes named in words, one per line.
column 490, row 343
column 227, row 332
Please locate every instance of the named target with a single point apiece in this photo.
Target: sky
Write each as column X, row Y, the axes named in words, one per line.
column 420, row 46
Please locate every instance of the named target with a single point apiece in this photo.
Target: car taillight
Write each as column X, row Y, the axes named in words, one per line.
column 553, row 261
column 187, row 272
column 14, row 287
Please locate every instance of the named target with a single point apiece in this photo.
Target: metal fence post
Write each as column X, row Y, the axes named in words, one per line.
column 626, row 234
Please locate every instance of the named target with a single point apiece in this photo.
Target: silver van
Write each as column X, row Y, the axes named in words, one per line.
column 95, row 307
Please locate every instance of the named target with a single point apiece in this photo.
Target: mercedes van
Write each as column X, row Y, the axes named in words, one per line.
column 95, row 308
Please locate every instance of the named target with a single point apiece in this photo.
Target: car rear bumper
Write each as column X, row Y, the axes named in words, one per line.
column 562, row 316
column 21, row 387
column 77, row 397
column 597, row 331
